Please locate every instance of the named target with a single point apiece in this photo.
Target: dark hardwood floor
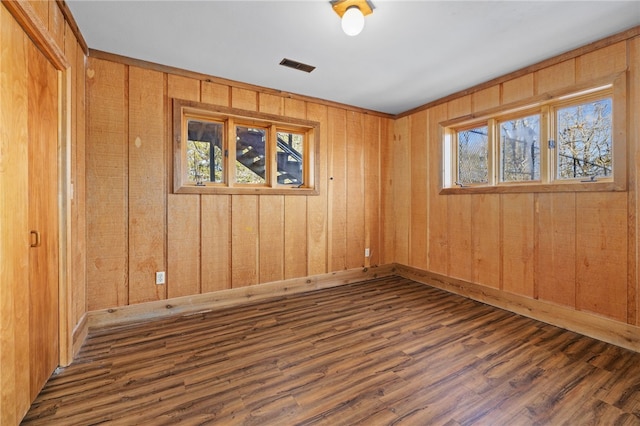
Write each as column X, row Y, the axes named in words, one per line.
column 384, row 352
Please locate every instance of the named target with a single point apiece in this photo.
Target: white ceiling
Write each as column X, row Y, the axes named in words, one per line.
column 409, row 53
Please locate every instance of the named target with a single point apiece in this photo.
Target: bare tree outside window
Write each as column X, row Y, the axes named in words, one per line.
column 584, row 141
column 473, row 150
column 204, row 152
column 520, row 149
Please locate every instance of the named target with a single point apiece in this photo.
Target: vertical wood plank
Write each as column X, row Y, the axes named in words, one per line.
column 372, row 218
column 56, row 23
column 216, row 242
column 272, row 251
column 459, row 213
column 460, row 236
column 355, row 190
column 633, row 163
column 244, row 99
column 14, row 226
column 79, row 237
column 602, row 62
column 147, row 156
column 402, row 190
column 317, row 205
column 485, row 239
column 244, row 240
column 183, row 212
column 485, row 213
column 295, row 236
column 485, row 98
column 107, row 205
column 418, row 253
column 295, row 213
column 215, row 215
column 556, row 76
column 518, row 89
column 337, row 190
column 272, row 258
column 517, row 243
column 438, row 237
column 43, row 302
column 183, row 245
column 214, row 93
column 555, row 264
column 388, row 196
column 601, row 253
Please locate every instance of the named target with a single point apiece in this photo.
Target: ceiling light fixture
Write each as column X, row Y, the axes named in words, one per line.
column 352, row 13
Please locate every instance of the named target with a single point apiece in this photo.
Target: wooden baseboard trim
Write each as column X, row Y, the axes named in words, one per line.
column 588, row 324
column 80, row 333
column 220, row 299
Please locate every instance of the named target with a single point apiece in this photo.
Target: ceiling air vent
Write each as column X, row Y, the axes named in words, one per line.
column 297, row 65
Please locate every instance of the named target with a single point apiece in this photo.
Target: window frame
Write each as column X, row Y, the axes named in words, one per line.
column 184, row 110
column 545, row 105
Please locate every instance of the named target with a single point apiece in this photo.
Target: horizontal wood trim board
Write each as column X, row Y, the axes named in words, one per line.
column 186, row 305
column 607, row 330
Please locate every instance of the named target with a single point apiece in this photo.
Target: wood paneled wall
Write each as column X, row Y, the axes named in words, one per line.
column 207, row 243
column 26, row 27
column 575, row 249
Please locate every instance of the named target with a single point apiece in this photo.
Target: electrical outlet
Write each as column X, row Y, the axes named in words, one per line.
column 367, row 252
column 160, row 277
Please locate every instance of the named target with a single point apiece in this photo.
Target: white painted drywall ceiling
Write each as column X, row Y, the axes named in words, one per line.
column 409, row 53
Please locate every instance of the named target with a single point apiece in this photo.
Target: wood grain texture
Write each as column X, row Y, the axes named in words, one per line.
column 107, row 200
column 601, row 254
column 373, row 141
column 633, row 215
column 518, row 89
column 438, row 214
column 356, row 195
column 401, row 175
column 43, row 290
column 14, row 221
column 244, row 99
column 485, row 239
column 556, row 76
column 317, row 214
column 147, row 180
column 183, row 245
column 272, row 238
column 337, row 190
column 419, row 250
column 245, row 240
column 517, row 243
column 555, row 263
column 602, row 62
column 388, row 351
column 295, row 214
column 215, row 249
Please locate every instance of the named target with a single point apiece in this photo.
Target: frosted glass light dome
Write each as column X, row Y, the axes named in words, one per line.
column 352, row 21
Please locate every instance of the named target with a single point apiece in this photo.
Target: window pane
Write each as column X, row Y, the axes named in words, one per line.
column 290, row 158
column 584, row 140
column 520, row 149
column 473, row 148
column 250, row 155
column 204, row 152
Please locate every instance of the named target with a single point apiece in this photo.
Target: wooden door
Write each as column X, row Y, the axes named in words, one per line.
column 43, row 218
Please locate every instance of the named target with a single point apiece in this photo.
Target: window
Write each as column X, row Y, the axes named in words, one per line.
column 565, row 142
column 227, row 150
column 583, row 138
